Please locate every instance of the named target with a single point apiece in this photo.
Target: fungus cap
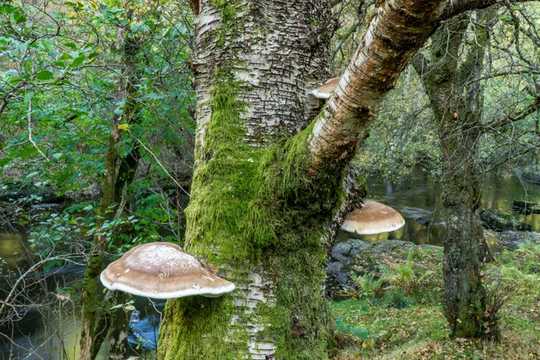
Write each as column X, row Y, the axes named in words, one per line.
column 162, row 270
column 373, row 218
column 326, row 90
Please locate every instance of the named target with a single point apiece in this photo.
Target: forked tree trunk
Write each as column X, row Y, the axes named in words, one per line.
column 457, row 101
column 262, row 191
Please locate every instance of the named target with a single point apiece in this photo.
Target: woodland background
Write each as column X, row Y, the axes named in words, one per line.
column 91, row 88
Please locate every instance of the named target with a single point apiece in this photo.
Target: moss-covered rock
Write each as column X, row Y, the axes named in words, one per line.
column 355, row 258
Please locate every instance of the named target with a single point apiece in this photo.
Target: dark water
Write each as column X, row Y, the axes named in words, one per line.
column 417, row 199
column 51, row 331
column 54, row 334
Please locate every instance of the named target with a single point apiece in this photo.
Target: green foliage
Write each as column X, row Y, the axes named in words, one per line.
column 356, row 331
column 57, row 233
column 401, row 282
column 369, row 286
column 69, row 90
column 60, row 82
column 526, row 259
column 408, row 277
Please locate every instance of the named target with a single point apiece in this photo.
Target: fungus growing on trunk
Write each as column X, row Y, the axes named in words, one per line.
column 373, row 218
column 326, row 90
column 162, row 270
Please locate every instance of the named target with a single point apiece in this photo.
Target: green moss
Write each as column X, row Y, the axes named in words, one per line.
column 92, row 290
column 226, row 226
column 252, row 208
column 230, row 24
column 199, row 331
column 225, row 210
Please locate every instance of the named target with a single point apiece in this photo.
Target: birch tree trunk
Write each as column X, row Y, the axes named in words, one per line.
column 266, row 183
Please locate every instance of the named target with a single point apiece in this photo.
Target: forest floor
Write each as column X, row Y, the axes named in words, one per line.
column 399, row 315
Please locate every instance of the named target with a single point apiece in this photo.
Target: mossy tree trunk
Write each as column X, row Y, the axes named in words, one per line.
column 268, row 179
column 457, row 101
column 98, row 323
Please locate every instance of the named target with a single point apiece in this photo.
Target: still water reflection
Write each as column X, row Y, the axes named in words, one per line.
column 417, row 199
column 12, row 249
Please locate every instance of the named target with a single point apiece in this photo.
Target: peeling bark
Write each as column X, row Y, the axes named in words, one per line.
column 279, row 50
column 398, row 30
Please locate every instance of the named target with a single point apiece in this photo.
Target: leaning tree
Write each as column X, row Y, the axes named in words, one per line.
column 269, row 179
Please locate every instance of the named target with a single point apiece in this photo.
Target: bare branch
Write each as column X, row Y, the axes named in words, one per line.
column 29, row 126
column 512, row 118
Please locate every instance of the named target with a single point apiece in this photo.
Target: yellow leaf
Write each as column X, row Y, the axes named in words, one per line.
column 123, row 127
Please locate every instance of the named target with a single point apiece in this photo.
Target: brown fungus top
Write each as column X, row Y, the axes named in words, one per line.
column 373, row 218
column 162, row 270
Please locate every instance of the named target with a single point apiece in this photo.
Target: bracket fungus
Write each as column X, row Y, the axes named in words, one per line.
column 326, row 90
column 161, row 270
column 373, row 218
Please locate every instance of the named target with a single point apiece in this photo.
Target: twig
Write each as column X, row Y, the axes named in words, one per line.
column 29, row 124
column 160, row 164
column 26, row 273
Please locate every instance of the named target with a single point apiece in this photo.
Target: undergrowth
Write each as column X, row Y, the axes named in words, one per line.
column 375, row 328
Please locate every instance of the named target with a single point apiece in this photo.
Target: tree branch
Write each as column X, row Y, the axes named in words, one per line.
column 456, row 7
column 398, row 30
column 512, row 118
column 420, row 63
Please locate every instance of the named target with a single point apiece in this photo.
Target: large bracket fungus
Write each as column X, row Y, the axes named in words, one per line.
column 162, row 270
column 373, row 218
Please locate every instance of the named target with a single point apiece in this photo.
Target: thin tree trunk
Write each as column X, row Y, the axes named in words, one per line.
column 457, row 103
column 98, row 321
column 259, row 204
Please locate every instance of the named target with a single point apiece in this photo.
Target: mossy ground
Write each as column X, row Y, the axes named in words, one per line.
column 403, row 324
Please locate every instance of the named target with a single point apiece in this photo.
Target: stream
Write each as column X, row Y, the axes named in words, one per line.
column 417, row 199
column 52, row 332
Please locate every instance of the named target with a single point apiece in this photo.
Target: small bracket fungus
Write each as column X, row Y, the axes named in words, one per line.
column 162, row 270
column 373, row 218
column 326, row 90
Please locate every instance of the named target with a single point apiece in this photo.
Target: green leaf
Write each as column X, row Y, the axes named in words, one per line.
column 71, row 45
column 78, row 61
column 6, row 9
column 19, row 16
column 44, row 75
